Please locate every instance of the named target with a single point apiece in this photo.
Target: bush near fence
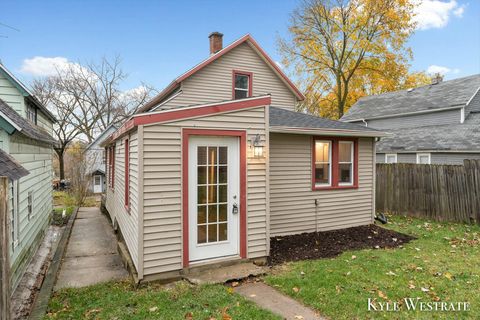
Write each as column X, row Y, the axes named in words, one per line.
column 439, row 192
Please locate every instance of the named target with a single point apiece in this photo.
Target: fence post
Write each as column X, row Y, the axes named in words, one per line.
column 4, row 252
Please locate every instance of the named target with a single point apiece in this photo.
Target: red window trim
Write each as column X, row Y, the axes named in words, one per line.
column 127, row 175
column 186, row 133
column 113, row 168
column 250, row 82
column 334, row 185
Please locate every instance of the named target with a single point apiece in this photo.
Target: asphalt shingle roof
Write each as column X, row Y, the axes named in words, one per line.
column 284, row 118
column 28, row 129
column 445, row 94
column 453, row 137
column 9, row 167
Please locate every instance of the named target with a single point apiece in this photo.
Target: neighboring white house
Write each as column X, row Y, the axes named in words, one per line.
column 95, row 155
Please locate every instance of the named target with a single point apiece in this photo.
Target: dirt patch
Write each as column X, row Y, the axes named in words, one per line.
column 315, row 245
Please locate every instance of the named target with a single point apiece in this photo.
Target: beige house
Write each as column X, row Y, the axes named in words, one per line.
column 219, row 162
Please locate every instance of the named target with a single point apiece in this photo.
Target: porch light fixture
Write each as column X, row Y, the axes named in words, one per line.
column 257, row 148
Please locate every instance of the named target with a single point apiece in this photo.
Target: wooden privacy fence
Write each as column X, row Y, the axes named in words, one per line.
column 439, row 192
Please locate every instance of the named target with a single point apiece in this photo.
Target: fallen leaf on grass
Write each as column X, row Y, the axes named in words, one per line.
column 448, row 275
column 225, row 315
column 235, row 284
column 188, row 316
column 354, row 257
column 230, row 290
column 382, row 295
column 411, row 285
column 425, row 289
column 390, row 273
column 295, row 289
column 153, row 309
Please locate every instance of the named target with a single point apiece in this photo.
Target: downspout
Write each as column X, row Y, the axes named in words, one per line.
column 366, row 124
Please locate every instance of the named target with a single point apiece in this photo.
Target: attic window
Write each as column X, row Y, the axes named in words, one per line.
column 242, row 84
column 31, row 114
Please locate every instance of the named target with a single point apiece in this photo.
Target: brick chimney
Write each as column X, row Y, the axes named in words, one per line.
column 216, row 42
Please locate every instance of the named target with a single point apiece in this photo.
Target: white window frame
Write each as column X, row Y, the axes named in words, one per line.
column 14, row 219
column 241, row 89
column 330, row 162
column 31, row 114
column 30, row 204
column 390, row 155
column 351, row 162
column 419, row 155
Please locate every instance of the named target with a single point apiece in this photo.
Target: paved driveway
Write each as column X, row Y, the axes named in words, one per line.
column 91, row 256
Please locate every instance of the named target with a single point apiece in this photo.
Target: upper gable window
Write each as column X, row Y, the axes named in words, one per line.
column 242, row 84
column 31, row 114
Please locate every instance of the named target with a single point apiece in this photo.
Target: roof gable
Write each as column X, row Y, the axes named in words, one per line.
column 245, row 39
column 444, row 95
column 24, row 91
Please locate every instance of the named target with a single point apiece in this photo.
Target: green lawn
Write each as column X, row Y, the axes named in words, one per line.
column 120, row 300
column 443, row 264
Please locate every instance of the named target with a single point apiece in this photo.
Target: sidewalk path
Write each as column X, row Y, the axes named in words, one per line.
column 91, row 256
column 278, row 303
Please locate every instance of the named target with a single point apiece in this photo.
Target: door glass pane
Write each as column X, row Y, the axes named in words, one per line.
column 212, row 214
column 222, row 232
column 212, row 232
column 222, row 155
column 202, row 155
column 222, row 212
column 222, row 174
column 202, row 195
column 212, row 194
column 202, row 175
column 202, row 234
column 212, row 174
column 222, row 193
column 202, row 214
column 212, row 155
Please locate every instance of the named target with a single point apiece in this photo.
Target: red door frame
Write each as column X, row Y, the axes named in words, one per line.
column 186, row 133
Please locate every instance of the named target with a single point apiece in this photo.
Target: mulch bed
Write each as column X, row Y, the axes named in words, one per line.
column 328, row 244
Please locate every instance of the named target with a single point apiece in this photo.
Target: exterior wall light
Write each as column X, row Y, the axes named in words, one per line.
column 257, row 148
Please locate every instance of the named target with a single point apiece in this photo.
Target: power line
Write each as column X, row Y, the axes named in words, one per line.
column 9, row 26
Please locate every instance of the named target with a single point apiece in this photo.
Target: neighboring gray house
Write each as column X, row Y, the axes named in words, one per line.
column 437, row 123
column 25, row 135
column 96, row 161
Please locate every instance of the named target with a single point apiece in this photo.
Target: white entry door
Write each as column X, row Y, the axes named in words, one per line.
column 214, row 199
column 97, row 184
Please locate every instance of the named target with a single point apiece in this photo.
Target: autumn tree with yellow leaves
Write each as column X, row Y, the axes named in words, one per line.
column 342, row 50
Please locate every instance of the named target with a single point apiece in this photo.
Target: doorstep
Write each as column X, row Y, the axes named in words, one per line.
column 224, row 274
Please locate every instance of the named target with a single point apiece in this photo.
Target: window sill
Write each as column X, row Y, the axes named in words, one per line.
column 320, row 188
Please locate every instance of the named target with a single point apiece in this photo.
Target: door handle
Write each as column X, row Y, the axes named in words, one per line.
column 235, row 208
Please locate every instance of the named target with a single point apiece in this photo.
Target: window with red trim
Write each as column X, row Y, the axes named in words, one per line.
column 113, row 167
column 241, row 85
column 127, row 173
column 334, row 163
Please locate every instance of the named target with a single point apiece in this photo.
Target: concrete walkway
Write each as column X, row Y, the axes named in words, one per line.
column 278, row 303
column 91, row 256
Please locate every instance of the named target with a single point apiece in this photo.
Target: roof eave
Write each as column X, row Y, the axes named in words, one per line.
column 327, row 132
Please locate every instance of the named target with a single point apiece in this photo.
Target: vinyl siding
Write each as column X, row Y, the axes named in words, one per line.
column 44, row 122
column 10, row 94
column 409, row 121
column 474, row 105
column 115, row 203
column 214, row 82
column 37, row 159
column 292, row 201
column 162, row 187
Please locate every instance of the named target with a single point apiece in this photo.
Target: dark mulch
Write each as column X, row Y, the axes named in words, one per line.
column 315, row 245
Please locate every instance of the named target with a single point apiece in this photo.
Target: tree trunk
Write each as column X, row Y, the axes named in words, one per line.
column 60, row 153
column 4, row 252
